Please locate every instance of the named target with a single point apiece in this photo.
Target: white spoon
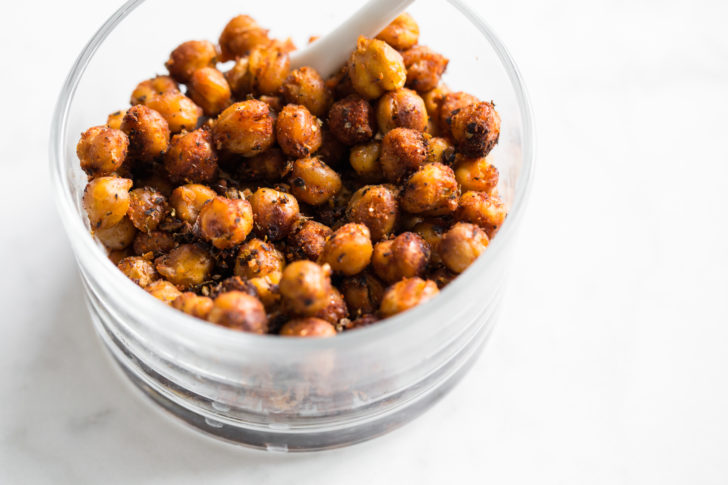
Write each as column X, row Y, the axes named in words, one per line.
column 328, row 53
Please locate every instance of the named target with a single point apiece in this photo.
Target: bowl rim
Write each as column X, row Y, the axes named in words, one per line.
column 178, row 323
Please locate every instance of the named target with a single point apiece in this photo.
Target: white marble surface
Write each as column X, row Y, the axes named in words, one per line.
column 610, row 363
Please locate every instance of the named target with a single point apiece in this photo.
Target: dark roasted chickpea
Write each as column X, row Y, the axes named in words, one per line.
column 461, row 245
column 482, row 209
column 298, row 132
column 452, row 103
column 163, row 290
column 402, row 33
column 352, row 120
column 192, row 304
column 239, row 311
column 433, row 100
column 268, row 66
column 475, row 173
column 363, row 321
column 307, row 239
column 240, row 36
column 308, row 327
column 332, row 151
column 118, row 236
column 403, row 150
column 442, row 276
column 363, row 293
column 258, row 258
column 406, row 294
column 377, row 207
column 340, row 83
column 335, row 310
column 185, row 266
column 306, row 87
column 431, row 190
column 401, row 108
column 187, row 200
column 440, row 150
column 139, row 270
column 102, row 150
column 106, row 200
column 209, row 90
column 158, row 181
column 113, row 121
column 364, row 159
column 375, row 67
column 274, row 213
column 431, row 231
column 349, row 249
column 245, row 128
column 475, row 129
column 305, row 287
column 225, row 222
column 116, row 255
column 147, row 207
column 150, row 87
column 153, row 243
column 405, row 256
column 190, row 56
column 191, row 157
column 424, row 68
column 313, row 182
column 180, row 111
column 148, row 132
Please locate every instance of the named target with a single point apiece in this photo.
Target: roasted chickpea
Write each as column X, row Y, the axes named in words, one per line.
column 245, row 128
column 431, row 190
column 270, row 165
column 102, row 150
column 364, row 159
column 332, row 151
column 209, row 90
column 450, row 104
column 375, row 67
column 475, row 129
column 191, row 157
column 363, row 321
column 118, row 236
column 148, row 132
column 363, row 293
column 180, row 111
column 340, row 83
column 406, row 294
column 239, row 311
column 298, row 132
column 187, row 200
column 154, row 243
column 305, row 287
column 267, row 289
column 147, row 207
column 157, row 85
column 163, row 290
column 240, row 36
column 233, row 283
column 158, row 181
column 432, row 231
column 268, row 66
column 352, row 120
column 275, row 103
column 442, row 276
column 240, row 79
column 424, row 68
column 433, row 100
column 349, row 249
column 185, row 266
column 308, row 327
column 139, row 270
column 192, row 304
column 377, row 207
column 461, row 245
column 106, row 200
column 313, row 182
column 307, row 239
column 225, row 222
column 190, row 56
column 401, row 108
column 479, row 208
column 113, row 121
column 116, row 255
column 257, row 258
column 440, row 150
column 402, row 33
column 335, row 310
column 475, row 173
column 306, row 87
column 274, row 213
column 403, row 150
column 405, row 256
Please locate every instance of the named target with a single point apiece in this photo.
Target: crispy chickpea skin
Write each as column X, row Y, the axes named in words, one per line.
column 271, row 165
column 475, row 173
column 481, row 209
column 375, row 67
column 401, row 108
column 307, row 239
column 225, row 222
column 424, row 68
column 113, row 121
column 308, row 327
column 154, row 242
column 163, row 290
column 147, row 207
column 139, row 270
column 192, row 304
column 352, row 120
column 405, row 256
column 298, row 132
column 274, row 213
column 150, row 87
column 313, row 182
column 403, row 150
column 450, row 104
column 239, row 311
column 431, row 190
column 364, row 159
column 240, row 36
column 377, row 207
column 102, row 150
column 402, row 33
column 362, row 293
column 432, row 231
column 306, row 87
column 268, row 67
column 245, row 128
column 335, row 309
column 186, row 266
column 187, row 200
column 461, row 245
column 106, row 200
column 118, row 236
column 148, row 132
column 406, row 294
column 180, row 111
column 191, row 157
column 258, row 258
column 209, row 90
column 475, row 129
column 190, row 56
column 349, row 249
column 305, row 287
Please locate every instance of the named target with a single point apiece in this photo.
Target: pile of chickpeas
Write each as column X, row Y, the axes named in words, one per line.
column 271, row 200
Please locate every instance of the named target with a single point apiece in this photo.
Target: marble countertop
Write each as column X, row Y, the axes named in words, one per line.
column 609, row 364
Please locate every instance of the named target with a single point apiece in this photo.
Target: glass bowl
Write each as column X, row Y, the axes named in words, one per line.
column 265, row 391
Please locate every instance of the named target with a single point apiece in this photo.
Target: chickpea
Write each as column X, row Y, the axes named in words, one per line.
column 187, row 200
column 364, row 159
column 306, row 87
column 431, row 190
column 239, row 78
column 275, row 103
column 449, row 105
column 308, row 327
column 406, row 294
column 402, row 33
column 433, row 100
column 268, row 66
column 190, row 56
column 209, row 90
column 257, row 258
column 113, row 121
column 307, row 239
column 335, row 309
column 157, row 85
column 298, row 132
column 191, row 157
column 340, row 83
column 461, row 245
column 118, row 236
column 403, row 150
column 102, row 150
column 475, row 129
column 270, row 165
column 405, row 256
column 349, row 249
column 148, row 133
column 139, row 270
column 475, row 173
column 245, row 128
column 377, row 207
column 180, row 111
column 233, row 283
column 374, row 67
column 116, row 255
column 442, row 276
column 239, row 311
column 153, row 242
column 440, row 150
column 192, row 304
column 363, row 293
column 424, row 68
column 240, row 36
column 186, row 266
column 481, row 209
column 401, row 108
column 147, row 207
column 267, row 289
column 305, row 287
column 432, row 231
column 332, row 151
column 106, row 200
column 352, row 120
column 158, row 181
column 225, row 222
column 163, row 290
column 313, row 182
column 274, row 213
column 363, row 321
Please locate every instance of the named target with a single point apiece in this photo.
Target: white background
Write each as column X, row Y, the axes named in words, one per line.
column 610, row 362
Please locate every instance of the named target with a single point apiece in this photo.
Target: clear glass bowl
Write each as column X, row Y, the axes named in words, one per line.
column 266, row 391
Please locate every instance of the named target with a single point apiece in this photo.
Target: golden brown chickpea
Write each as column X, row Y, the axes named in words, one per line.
column 424, row 68
column 190, row 56
column 187, row 200
column 377, row 207
column 150, row 87
column 185, row 266
column 275, row 103
column 180, row 111
column 475, row 129
column 192, row 304
column 401, row 108
column 352, row 120
column 308, row 327
column 375, row 67
column 431, row 190
column 452, row 103
column 163, row 290
column 106, row 200
column 306, row 87
column 475, row 173
column 147, row 207
column 432, row 231
column 240, row 36
column 240, row 79
column 268, row 66
column 340, row 83
column 349, row 249
column 267, row 289
column 364, row 159
column 118, row 236
column 139, row 270
column 274, row 213
column 405, row 256
column 363, row 293
column 335, row 310
column 305, row 287
column 191, row 157
column 440, row 150
column 102, row 150
column 332, row 151
column 461, row 245
column 298, row 132
column 153, row 243
column 479, row 208
column 225, row 222
column 307, row 240
column 403, row 150
column 402, row 33
column 209, row 90
column 313, row 182
column 257, row 258
column 113, row 121
column 245, row 128
column 433, row 100
column 239, row 311
column 406, row 294
column 148, row 133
